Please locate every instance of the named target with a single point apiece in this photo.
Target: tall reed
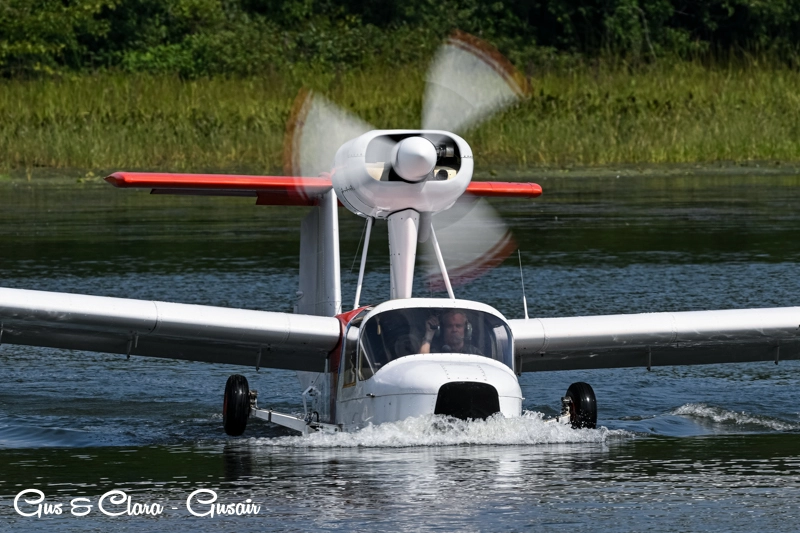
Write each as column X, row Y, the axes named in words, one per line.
column 584, row 115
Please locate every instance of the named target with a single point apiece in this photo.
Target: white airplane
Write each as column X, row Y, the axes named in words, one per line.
column 407, row 356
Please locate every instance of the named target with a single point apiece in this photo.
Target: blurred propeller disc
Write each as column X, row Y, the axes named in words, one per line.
column 473, row 240
column 316, row 129
column 468, row 81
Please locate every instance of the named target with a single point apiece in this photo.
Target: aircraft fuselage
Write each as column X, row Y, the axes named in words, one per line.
column 381, row 373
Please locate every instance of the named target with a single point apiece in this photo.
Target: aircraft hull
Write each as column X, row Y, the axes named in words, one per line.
column 411, row 386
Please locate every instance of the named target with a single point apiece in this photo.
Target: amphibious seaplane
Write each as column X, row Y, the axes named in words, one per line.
column 407, row 356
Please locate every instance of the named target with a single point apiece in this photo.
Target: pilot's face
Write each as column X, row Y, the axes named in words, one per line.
column 454, row 327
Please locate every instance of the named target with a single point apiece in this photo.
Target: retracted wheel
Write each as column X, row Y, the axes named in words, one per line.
column 236, row 405
column 582, row 406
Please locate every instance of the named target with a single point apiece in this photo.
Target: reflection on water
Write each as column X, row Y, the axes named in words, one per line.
column 632, row 484
column 678, row 445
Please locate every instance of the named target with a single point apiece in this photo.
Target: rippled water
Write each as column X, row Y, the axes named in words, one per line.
column 685, row 448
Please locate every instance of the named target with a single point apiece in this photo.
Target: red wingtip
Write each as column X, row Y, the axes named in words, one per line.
column 270, row 190
column 117, row 179
column 504, row 189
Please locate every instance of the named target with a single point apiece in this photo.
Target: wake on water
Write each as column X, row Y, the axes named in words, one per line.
column 723, row 416
column 530, row 428
column 437, row 430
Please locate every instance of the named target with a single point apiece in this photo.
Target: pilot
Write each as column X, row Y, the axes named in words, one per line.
column 454, row 338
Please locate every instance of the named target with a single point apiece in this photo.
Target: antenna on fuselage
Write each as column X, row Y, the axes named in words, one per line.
column 522, row 279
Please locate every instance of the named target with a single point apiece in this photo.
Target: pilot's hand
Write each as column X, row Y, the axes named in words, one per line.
column 431, row 326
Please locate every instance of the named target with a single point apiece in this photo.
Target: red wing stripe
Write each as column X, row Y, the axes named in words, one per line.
column 267, row 184
column 499, row 188
column 280, row 190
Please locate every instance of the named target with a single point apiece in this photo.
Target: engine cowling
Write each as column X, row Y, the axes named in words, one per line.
column 386, row 171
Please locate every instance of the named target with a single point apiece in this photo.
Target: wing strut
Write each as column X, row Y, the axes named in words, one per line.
column 440, row 260
column 363, row 261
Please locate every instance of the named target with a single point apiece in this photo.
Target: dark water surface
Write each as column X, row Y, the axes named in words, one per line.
column 713, row 448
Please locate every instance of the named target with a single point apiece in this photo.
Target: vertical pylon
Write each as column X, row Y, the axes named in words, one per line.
column 403, row 229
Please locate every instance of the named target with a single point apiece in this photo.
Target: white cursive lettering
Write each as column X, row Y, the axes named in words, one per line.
column 114, row 503
column 118, row 497
column 219, row 509
column 76, row 503
column 42, row 507
column 209, row 502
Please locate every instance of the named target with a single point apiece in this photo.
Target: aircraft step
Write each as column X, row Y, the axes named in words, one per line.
column 303, row 425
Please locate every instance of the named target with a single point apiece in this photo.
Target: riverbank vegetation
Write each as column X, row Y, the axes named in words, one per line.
column 587, row 115
column 208, row 85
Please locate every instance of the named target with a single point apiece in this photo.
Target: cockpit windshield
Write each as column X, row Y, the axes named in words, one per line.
column 400, row 332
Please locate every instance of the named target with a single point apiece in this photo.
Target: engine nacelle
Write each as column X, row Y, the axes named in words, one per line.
column 386, row 171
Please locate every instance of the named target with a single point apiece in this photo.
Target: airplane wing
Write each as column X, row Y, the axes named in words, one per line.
column 268, row 190
column 279, row 190
column 162, row 329
column 657, row 339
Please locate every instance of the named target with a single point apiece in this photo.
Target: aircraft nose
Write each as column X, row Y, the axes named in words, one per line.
column 460, row 385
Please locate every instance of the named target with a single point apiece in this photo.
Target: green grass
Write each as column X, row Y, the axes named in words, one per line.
column 682, row 112
column 590, row 115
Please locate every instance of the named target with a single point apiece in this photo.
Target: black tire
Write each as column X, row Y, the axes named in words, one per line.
column 236, row 405
column 583, row 406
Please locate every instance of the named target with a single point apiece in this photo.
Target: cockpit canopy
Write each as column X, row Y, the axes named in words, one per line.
column 395, row 333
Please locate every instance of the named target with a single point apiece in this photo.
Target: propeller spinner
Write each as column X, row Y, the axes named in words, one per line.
column 414, row 158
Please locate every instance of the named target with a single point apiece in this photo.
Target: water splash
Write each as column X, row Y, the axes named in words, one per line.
column 436, row 430
column 724, row 416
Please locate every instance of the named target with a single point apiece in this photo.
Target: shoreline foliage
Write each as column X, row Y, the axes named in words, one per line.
column 194, row 38
column 209, row 84
column 598, row 114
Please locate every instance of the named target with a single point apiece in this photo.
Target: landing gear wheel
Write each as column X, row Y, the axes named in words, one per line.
column 582, row 406
column 236, row 405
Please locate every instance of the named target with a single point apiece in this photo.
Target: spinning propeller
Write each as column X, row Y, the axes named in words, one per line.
column 467, row 83
column 408, row 177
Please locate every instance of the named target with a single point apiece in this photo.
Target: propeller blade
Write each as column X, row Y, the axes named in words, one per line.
column 468, row 81
column 316, row 129
column 473, row 240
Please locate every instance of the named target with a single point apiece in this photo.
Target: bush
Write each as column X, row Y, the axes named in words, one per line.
column 245, row 37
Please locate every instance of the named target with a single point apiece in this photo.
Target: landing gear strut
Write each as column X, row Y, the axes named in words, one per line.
column 236, row 405
column 240, row 403
column 581, row 405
